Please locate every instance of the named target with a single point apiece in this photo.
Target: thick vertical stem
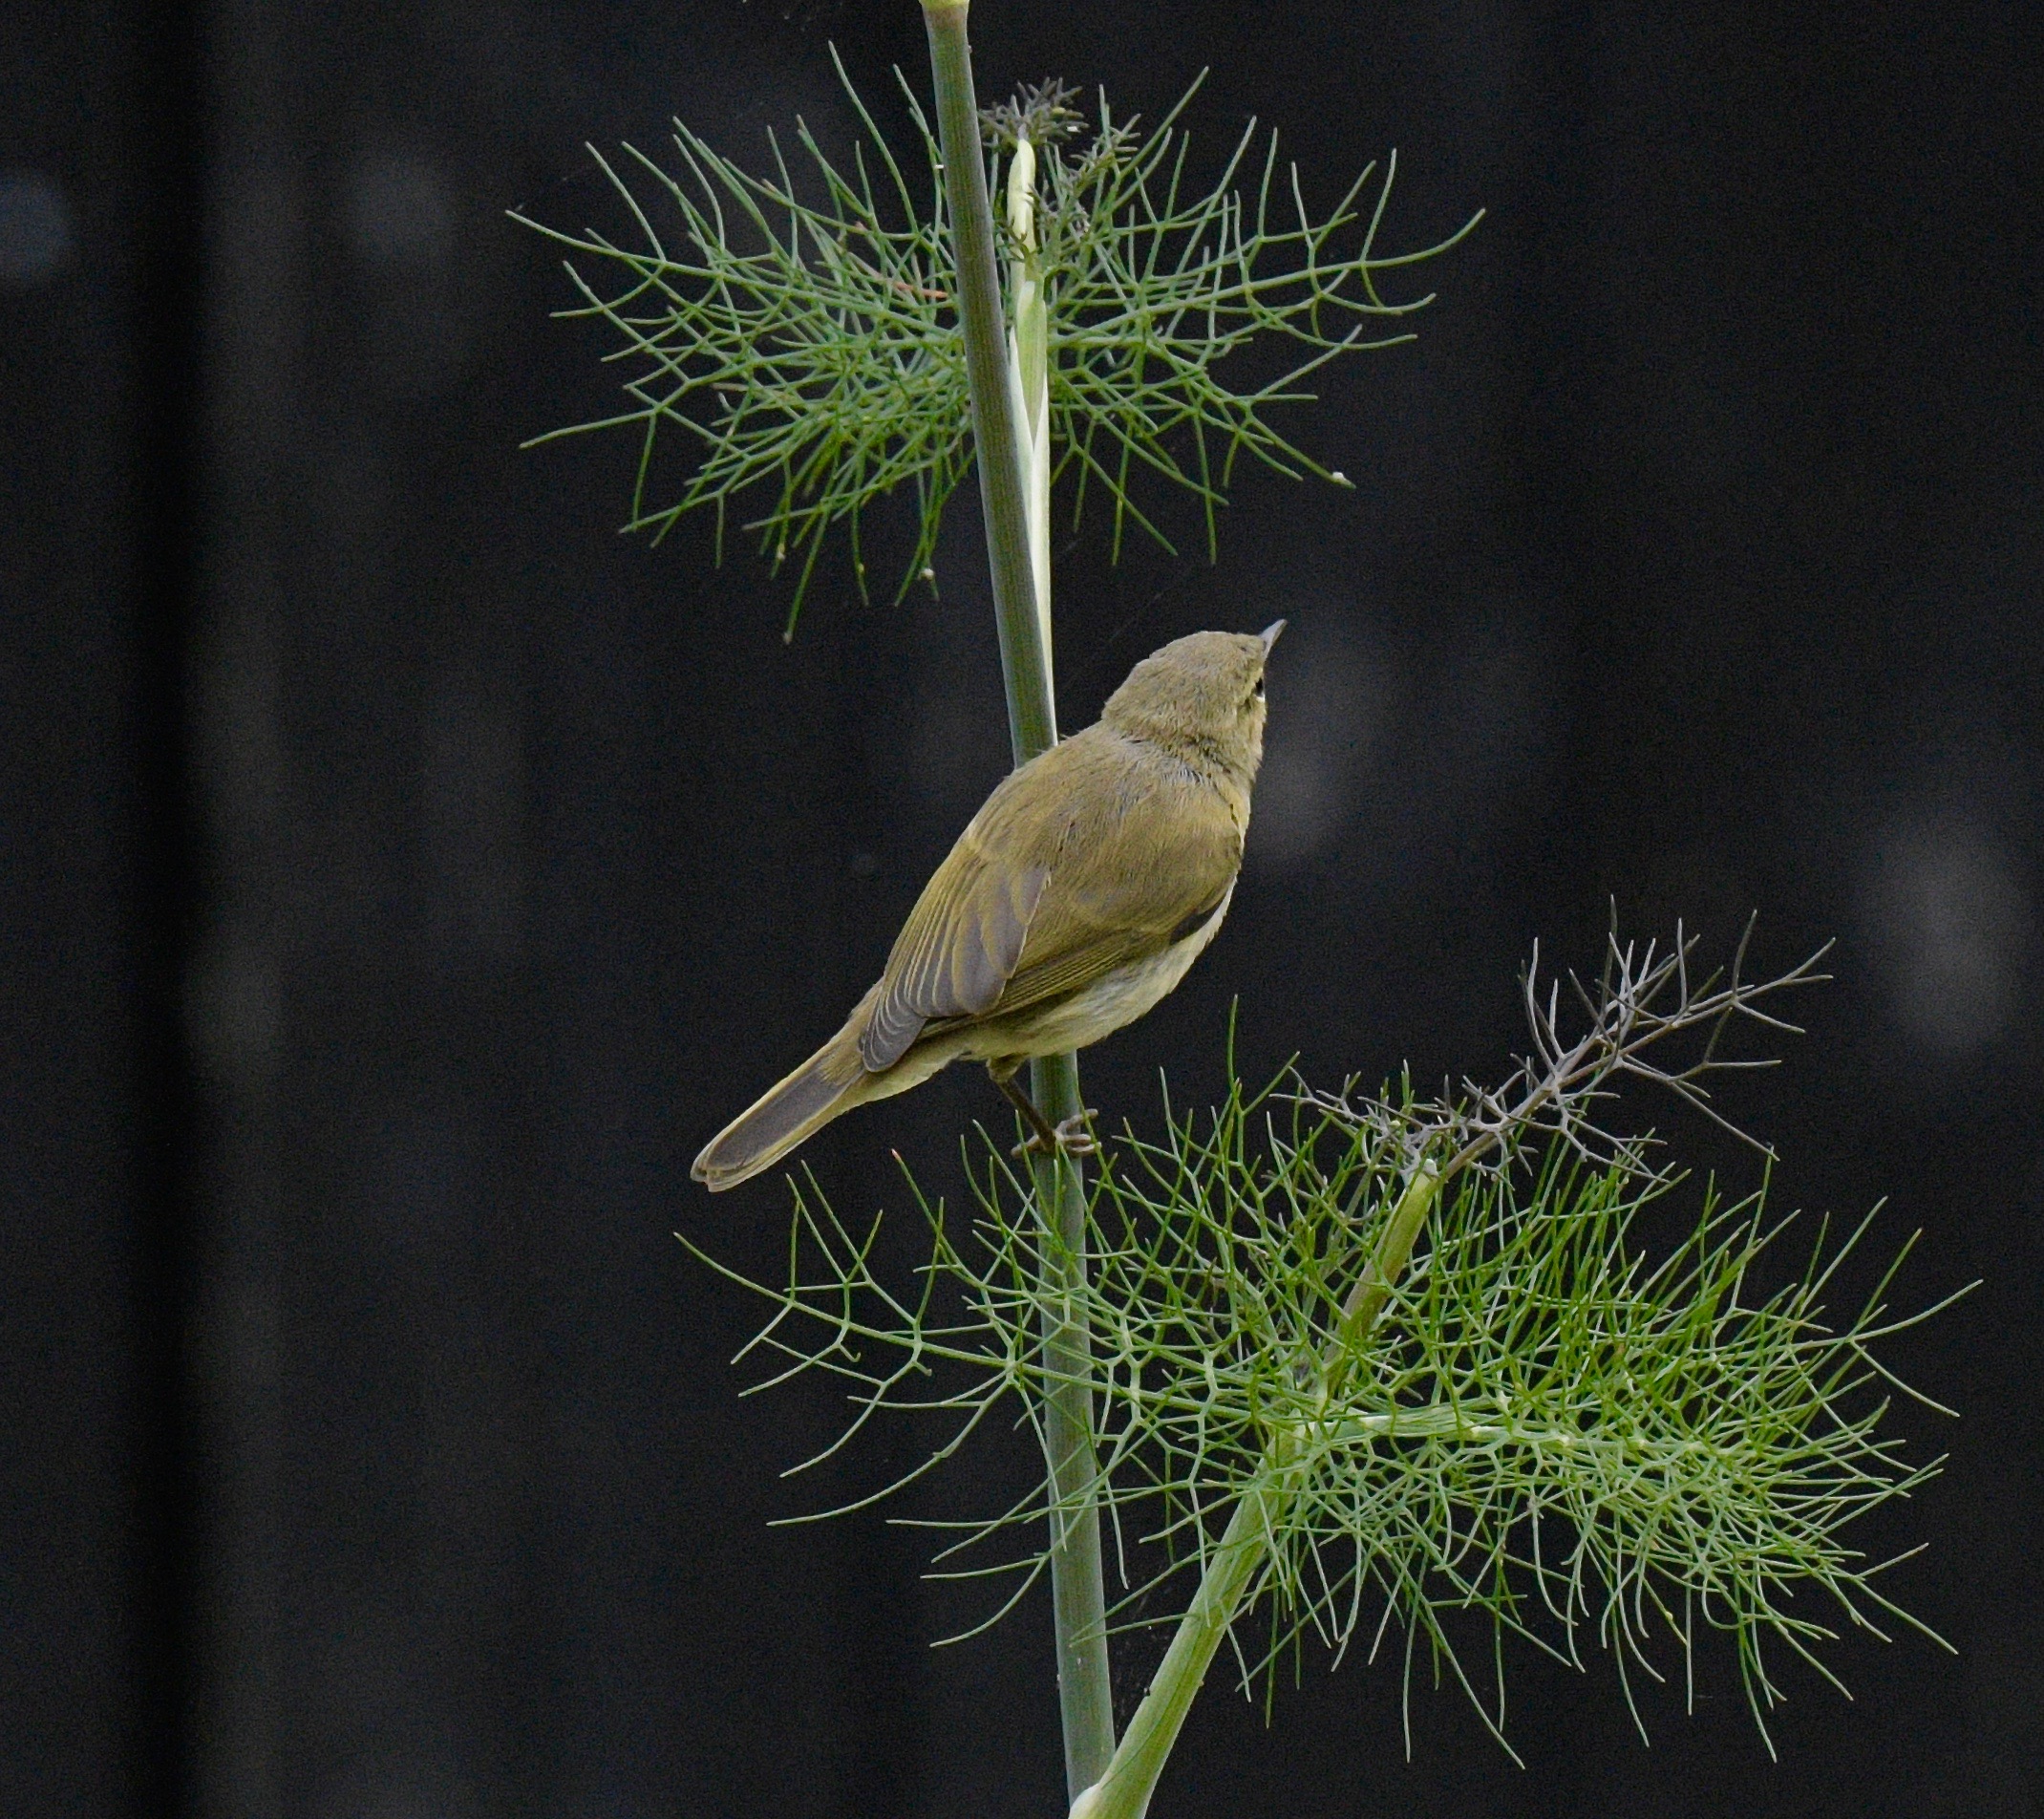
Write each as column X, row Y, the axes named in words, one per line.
column 1077, row 1581
column 1078, row 1585
column 1124, row 1790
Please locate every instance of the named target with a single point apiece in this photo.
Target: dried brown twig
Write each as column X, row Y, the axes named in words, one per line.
column 1644, row 998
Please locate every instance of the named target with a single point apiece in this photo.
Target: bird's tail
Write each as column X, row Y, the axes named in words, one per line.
column 830, row 1082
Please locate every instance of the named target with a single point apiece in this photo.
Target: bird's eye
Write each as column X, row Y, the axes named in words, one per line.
column 1258, row 690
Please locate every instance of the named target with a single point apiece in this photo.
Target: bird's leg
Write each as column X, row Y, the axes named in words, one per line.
column 1046, row 1133
column 1070, row 1138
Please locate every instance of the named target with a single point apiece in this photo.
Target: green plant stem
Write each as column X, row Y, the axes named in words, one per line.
column 1078, row 1585
column 995, row 432
column 1077, row 1581
column 1028, row 365
column 1365, row 1304
column 1124, row 1790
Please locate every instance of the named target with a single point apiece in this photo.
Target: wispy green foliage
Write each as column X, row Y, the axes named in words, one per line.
column 1542, row 1427
column 798, row 327
column 1537, row 1420
column 1154, row 282
column 806, row 346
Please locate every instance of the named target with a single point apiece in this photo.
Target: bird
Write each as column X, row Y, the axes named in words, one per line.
column 1088, row 883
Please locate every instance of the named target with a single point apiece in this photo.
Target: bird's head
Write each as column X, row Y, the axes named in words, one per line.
column 1200, row 694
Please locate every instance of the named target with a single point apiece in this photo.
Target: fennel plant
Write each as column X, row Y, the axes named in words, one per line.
column 1356, row 1367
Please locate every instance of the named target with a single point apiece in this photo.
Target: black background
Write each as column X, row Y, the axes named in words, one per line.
column 403, row 873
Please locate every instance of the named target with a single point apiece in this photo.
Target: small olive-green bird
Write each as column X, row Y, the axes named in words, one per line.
column 1078, row 896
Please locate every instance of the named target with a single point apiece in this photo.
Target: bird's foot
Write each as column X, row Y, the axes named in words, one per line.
column 1069, row 1137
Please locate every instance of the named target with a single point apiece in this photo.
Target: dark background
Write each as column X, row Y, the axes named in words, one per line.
column 403, row 873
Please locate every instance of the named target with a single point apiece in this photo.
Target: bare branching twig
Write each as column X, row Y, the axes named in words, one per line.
column 1645, row 1000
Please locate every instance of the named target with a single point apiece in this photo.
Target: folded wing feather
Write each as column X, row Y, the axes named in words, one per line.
column 1029, row 908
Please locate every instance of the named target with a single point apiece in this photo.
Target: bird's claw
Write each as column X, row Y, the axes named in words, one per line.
column 1074, row 1136
column 1070, row 1137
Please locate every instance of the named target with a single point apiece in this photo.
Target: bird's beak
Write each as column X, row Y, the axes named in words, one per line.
column 1270, row 635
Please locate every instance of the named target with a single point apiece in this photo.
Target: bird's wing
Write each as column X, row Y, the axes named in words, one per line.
column 1126, row 888
column 957, row 950
column 1080, row 863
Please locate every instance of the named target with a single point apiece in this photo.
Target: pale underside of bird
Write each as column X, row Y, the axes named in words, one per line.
column 1092, row 878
